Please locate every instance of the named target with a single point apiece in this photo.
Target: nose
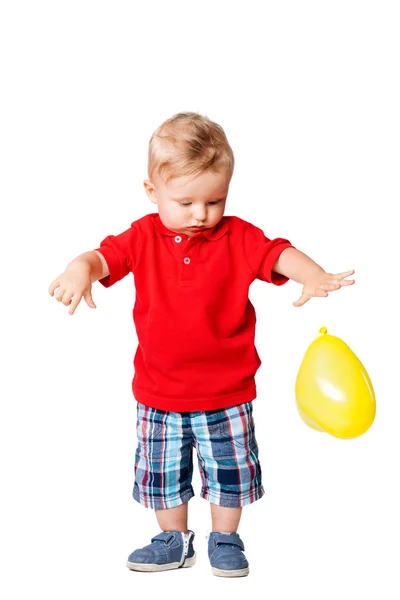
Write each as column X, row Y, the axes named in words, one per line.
column 200, row 214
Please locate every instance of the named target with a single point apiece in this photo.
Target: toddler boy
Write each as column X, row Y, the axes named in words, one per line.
column 195, row 363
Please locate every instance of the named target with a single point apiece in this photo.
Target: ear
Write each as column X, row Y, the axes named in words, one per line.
column 150, row 190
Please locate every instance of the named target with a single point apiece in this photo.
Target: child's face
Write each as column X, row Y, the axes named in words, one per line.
column 185, row 202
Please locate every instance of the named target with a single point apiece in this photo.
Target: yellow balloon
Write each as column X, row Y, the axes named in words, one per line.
column 333, row 390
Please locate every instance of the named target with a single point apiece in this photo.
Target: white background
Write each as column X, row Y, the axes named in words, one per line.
column 308, row 95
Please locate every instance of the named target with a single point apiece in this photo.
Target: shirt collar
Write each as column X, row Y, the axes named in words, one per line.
column 211, row 234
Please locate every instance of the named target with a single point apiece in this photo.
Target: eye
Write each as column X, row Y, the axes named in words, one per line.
column 211, row 203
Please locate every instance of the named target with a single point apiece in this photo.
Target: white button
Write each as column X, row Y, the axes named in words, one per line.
column 178, row 239
column 186, row 260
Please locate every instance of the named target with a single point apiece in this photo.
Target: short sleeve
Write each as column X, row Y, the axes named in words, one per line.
column 120, row 253
column 262, row 253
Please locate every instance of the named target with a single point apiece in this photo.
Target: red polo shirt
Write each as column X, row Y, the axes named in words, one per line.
column 194, row 321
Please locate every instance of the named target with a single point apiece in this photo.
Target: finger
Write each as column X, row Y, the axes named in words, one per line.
column 347, row 282
column 67, row 298
column 59, row 294
column 344, row 274
column 89, row 300
column 330, row 286
column 321, row 293
column 302, row 300
column 75, row 301
column 54, row 284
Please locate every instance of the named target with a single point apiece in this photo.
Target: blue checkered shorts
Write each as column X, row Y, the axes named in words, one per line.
column 227, row 454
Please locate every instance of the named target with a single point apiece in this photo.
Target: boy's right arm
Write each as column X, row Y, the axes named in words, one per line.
column 76, row 281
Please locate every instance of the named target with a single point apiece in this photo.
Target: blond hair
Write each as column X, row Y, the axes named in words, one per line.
column 188, row 144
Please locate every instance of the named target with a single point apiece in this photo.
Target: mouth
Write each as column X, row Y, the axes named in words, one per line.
column 196, row 227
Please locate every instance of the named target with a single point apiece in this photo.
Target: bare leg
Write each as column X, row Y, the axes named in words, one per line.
column 224, row 518
column 173, row 518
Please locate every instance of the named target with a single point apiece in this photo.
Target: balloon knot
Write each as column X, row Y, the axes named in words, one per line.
column 323, row 330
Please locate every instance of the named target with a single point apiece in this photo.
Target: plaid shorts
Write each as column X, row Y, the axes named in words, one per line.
column 227, row 454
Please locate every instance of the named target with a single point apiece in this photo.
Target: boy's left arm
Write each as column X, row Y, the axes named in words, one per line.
column 316, row 282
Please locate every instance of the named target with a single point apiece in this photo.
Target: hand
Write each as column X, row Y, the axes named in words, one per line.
column 320, row 283
column 72, row 285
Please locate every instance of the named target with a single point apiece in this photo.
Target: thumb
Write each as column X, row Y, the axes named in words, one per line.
column 89, row 300
column 302, row 300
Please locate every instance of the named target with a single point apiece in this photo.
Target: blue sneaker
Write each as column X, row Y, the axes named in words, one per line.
column 226, row 556
column 168, row 550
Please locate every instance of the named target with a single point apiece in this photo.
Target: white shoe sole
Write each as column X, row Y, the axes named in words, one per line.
column 150, row 568
column 232, row 573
